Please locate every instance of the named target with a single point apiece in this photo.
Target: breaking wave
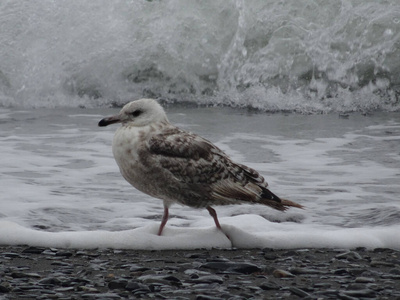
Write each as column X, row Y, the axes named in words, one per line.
column 298, row 55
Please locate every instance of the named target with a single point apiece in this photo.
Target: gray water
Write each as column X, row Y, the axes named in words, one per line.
column 296, row 55
column 307, row 93
column 346, row 173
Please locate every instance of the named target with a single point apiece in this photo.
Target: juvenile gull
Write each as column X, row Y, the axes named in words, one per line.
column 174, row 165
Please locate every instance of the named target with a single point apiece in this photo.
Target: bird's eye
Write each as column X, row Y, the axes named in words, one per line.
column 136, row 113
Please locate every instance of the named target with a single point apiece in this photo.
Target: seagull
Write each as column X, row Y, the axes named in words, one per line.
column 176, row 166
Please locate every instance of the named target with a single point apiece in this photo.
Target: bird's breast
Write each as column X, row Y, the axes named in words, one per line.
column 126, row 143
column 129, row 144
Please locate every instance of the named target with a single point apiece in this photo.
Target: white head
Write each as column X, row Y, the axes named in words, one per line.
column 138, row 113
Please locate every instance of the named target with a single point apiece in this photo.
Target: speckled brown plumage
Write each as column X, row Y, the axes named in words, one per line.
column 178, row 166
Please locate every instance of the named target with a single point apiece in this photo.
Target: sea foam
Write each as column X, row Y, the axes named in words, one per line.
column 62, row 188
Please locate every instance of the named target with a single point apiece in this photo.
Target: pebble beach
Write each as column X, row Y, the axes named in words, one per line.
column 49, row 273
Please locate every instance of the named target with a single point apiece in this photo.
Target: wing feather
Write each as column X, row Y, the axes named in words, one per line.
column 208, row 171
column 188, row 157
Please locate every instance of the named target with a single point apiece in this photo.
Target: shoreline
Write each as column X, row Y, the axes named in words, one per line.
column 49, row 273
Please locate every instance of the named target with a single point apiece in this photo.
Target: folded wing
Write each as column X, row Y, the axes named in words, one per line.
column 208, row 171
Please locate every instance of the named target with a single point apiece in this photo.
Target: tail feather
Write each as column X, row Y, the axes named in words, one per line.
column 286, row 202
column 272, row 200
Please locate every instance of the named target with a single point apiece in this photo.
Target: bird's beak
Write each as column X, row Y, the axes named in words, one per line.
column 109, row 120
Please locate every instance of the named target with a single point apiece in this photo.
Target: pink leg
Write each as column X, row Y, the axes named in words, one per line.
column 164, row 220
column 214, row 215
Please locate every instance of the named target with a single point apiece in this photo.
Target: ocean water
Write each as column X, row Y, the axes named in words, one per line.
column 272, row 55
column 307, row 93
column 61, row 186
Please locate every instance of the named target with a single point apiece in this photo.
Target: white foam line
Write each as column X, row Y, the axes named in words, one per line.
column 145, row 238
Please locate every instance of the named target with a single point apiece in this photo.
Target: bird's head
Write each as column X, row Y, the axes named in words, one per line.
column 138, row 113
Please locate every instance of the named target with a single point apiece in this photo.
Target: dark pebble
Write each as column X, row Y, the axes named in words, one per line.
column 65, row 289
column 246, row 268
column 172, row 279
column 346, row 297
column 101, row 296
column 50, row 273
column 376, row 263
column 11, row 254
column 117, row 284
column 355, row 286
column 365, row 279
column 136, row 286
column 341, row 272
column 270, row 256
column 299, row 292
column 206, row 297
column 33, row 250
column 137, row 268
column 298, row 271
column 366, row 293
column 4, row 289
column 24, row 275
column 64, row 253
column 60, row 263
column 395, row 271
column 350, row 256
column 208, row 279
column 219, row 266
column 270, row 286
column 162, row 279
column 381, row 250
column 50, row 281
column 243, row 268
column 197, row 255
column 390, row 276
